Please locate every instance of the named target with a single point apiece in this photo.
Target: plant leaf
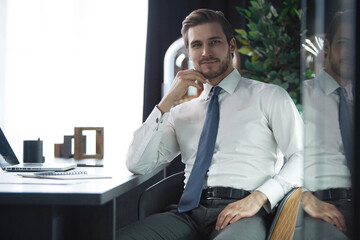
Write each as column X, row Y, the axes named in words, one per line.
column 243, row 41
column 245, row 50
column 255, row 4
column 241, row 32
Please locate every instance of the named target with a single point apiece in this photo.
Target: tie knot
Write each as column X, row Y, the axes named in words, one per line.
column 216, row 90
column 341, row 91
column 343, row 94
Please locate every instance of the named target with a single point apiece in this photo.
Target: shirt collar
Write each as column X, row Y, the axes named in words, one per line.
column 327, row 83
column 228, row 84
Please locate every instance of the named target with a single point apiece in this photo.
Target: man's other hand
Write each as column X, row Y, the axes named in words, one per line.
column 323, row 210
column 246, row 207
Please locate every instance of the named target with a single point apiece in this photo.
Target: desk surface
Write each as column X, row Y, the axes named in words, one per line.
column 71, row 209
column 18, row 190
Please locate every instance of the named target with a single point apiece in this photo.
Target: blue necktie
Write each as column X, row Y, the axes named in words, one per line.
column 346, row 127
column 191, row 196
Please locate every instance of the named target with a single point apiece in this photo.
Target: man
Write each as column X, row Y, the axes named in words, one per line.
column 246, row 176
column 328, row 152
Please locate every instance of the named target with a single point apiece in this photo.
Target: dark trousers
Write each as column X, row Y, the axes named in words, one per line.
column 197, row 224
column 319, row 229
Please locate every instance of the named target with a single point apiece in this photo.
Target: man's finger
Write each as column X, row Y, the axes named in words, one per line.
column 192, row 75
column 334, row 218
column 226, row 221
column 195, row 84
column 339, row 220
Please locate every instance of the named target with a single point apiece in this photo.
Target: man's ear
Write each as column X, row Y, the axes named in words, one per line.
column 232, row 45
column 326, row 47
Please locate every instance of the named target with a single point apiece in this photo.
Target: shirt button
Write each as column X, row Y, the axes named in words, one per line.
column 157, row 120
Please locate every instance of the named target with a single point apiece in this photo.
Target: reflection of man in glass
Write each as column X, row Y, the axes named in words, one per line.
column 328, row 151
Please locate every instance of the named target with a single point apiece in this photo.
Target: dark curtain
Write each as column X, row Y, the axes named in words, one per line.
column 164, row 27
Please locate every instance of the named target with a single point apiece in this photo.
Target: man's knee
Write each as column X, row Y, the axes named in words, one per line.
column 318, row 229
column 165, row 226
column 247, row 228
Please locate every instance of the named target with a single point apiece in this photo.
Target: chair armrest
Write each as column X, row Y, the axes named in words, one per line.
column 159, row 196
column 283, row 225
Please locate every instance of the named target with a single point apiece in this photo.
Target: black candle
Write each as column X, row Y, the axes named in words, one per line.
column 33, row 151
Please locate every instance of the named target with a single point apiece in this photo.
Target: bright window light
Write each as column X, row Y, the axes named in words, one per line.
column 73, row 63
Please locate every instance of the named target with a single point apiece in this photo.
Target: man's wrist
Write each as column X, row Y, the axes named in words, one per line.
column 162, row 109
column 260, row 197
column 306, row 196
column 165, row 105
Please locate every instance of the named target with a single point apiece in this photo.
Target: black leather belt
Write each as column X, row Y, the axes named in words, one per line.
column 223, row 193
column 333, row 194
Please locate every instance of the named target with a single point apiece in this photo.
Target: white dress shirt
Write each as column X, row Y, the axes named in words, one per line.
column 325, row 162
column 259, row 124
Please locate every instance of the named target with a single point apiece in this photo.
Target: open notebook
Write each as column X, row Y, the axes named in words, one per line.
column 71, row 175
column 10, row 163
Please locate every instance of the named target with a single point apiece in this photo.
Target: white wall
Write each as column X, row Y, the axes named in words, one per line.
column 73, row 63
column 2, row 57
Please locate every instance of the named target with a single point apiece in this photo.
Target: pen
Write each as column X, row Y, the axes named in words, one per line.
column 89, row 165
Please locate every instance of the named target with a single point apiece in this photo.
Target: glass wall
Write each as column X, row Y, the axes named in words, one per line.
column 328, row 98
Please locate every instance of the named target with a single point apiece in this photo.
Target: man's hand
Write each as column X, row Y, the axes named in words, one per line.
column 179, row 87
column 246, row 207
column 323, row 210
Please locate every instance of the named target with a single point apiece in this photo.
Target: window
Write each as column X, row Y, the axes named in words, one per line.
column 72, row 63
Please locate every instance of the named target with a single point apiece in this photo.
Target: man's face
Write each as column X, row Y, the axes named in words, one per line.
column 210, row 52
column 341, row 54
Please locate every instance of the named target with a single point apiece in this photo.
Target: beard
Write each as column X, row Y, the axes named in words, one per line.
column 222, row 68
column 344, row 71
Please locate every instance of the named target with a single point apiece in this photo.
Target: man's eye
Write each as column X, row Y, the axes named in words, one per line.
column 213, row 42
column 344, row 42
column 196, row 45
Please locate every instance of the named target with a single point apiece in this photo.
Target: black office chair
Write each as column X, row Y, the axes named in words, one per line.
column 165, row 194
column 161, row 196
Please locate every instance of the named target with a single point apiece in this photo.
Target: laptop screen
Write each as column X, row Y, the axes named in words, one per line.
column 7, row 156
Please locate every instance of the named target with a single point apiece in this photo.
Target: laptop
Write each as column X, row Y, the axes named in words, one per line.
column 10, row 163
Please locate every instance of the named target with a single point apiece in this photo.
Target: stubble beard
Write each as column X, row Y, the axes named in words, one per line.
column 342, row 73
column 222, row 69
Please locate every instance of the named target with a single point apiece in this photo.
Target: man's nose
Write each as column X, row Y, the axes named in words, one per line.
column 206, row 51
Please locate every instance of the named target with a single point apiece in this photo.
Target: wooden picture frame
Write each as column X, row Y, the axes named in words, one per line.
column 79, row 143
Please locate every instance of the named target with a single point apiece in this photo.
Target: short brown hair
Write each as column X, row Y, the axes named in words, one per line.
column 201, row 16
column 347, row 16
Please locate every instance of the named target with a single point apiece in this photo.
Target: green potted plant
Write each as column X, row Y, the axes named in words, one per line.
column 271, row 44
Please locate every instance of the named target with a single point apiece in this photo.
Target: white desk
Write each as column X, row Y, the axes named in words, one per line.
column 66, row 209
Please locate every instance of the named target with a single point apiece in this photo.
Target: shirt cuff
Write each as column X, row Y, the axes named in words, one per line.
column 273, row 191
column 156, row 120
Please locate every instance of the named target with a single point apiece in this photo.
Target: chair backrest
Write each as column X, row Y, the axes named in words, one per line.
column 162, row 194
column 283, row 225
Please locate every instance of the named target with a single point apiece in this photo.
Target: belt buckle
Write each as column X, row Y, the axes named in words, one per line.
column 213, row 198
column 347, row 195
column 212, row 193
column 215, row 194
